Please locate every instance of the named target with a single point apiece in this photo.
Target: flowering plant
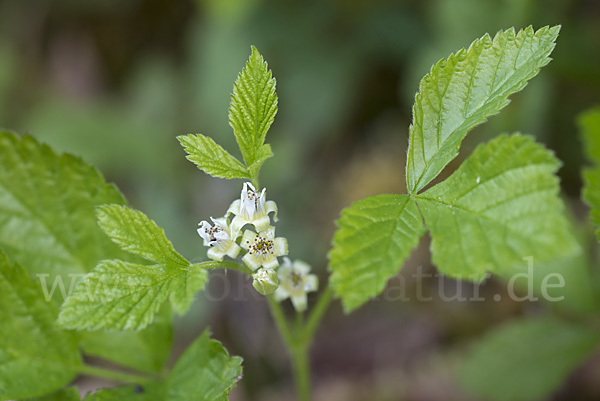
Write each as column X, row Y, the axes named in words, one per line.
column 499, row 206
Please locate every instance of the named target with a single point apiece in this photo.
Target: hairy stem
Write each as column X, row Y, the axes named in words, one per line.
column 226, row 264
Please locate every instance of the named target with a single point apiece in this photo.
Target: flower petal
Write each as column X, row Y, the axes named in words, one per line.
column 261, row 223
column 280, row 246
column 299, row 302
column 233, row 250
column 248, row 239
column 271, row 206
column 270, row 262
column 311, row 283
column 280, row 293
column 215, row 254
column 252, row 261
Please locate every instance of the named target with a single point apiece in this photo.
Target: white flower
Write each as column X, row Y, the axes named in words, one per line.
column 220, row 238
column 263, row 248
column 265, row 281
column 252, row 208
column 295, row 282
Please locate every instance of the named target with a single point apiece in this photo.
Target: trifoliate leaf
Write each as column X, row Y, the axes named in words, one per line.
column 499, row 207
column 35, row 357
column 68, row 394
column 526, row 360
column 212, row 158
column 134, row 232
column 205, row 372
column 253, row 107
column 374, row 238
column 48, row 225
column 47, row 220
column 589, row 124
column 120, row 295
column 464, row 90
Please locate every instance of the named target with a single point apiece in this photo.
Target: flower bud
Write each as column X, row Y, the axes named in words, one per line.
column 265, row 281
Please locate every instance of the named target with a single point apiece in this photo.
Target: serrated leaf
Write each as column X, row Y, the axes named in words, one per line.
column 153, row 391
column 119, row 295
column 35, row 358
column 68, row 394
column 187, row 286
column 205, row 372
column 526, row 359
column 48, row 225
column 253, row 107
column 499, row 207
column 374, row 238
column 47, row 220
column 464, row 90
column 212, row 158
column 589, row 125
column 146, row 350
column 134, row 232
column 263, row 154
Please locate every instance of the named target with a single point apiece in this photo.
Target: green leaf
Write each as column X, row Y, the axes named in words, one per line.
column 263, row 154
column 119, row 295
column 153, row 391
column 68, row 394
column 499, row 207
column 253, row 107
column 212, row 158
column 134, row 232
column 464, row 90
column 187, row 285
column 35, row 358
column 205, row 372
column 526, row 359
column 589, row 125
column 146, row 350
column 48, row 225
column 374, row 238
column 47, row 220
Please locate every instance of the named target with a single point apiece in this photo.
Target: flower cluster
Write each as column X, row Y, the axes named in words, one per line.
column 261, row 248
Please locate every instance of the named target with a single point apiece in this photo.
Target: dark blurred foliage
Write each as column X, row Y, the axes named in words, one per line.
column 117, row 81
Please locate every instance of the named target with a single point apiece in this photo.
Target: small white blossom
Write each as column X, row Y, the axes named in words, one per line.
column 295, row 282
column 263, row 248
column 252, row 208
column 220, row 238
column 265, row 281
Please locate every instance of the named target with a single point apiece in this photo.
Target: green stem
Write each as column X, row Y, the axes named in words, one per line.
column 316, row 315
column 281, row 322
column 296, row 347
column 226, row 264
column 113, row 374
column 300, row 362
column 299, row 341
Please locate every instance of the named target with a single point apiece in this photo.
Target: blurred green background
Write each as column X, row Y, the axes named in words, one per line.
column 116, row 81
